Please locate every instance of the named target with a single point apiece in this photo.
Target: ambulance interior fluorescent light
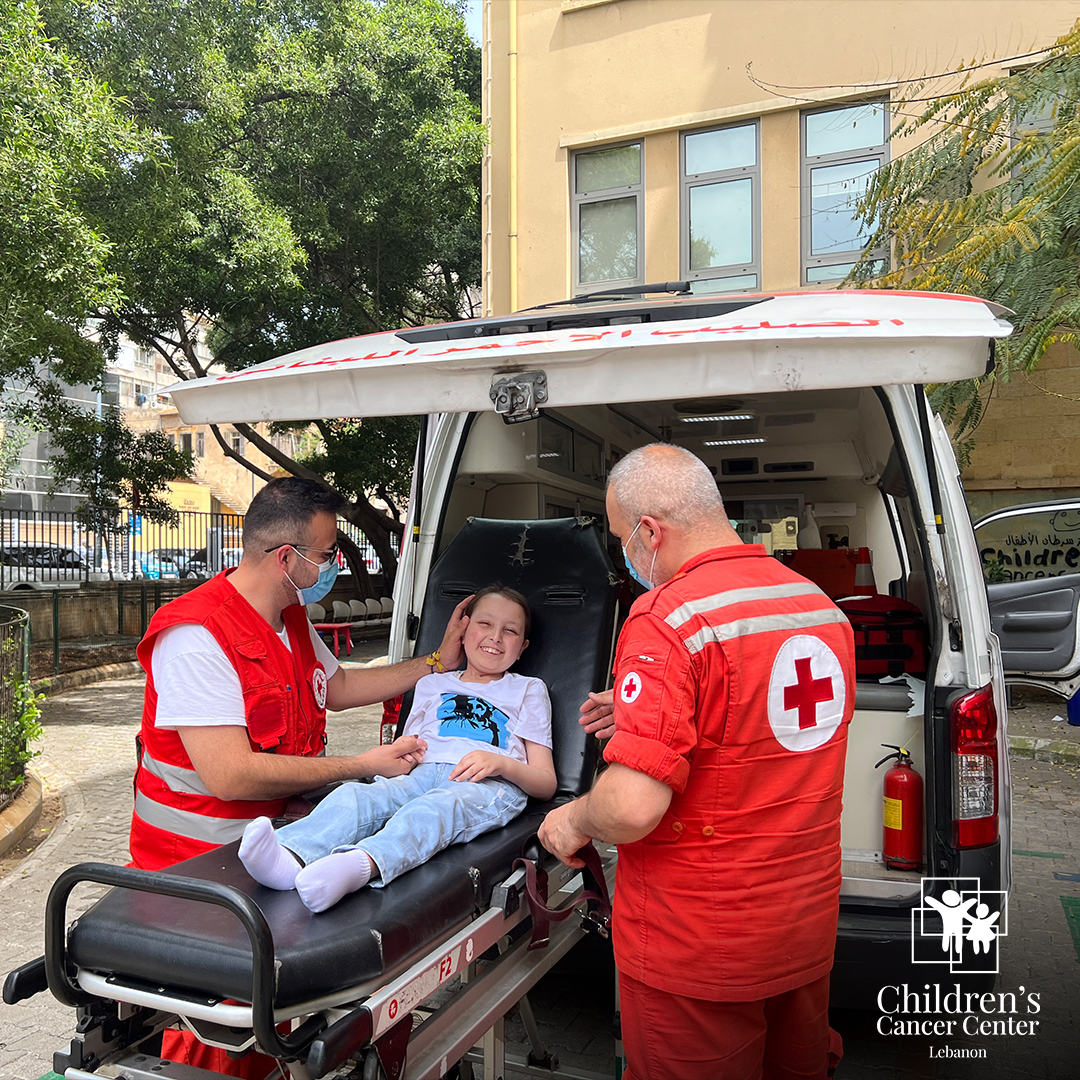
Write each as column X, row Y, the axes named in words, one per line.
column 711, row 419
column 733, row 442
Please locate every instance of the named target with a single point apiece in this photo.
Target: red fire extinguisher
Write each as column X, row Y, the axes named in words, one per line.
column 902, row 845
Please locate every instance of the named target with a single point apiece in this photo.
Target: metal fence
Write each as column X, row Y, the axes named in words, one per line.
column 14, row 686
column 46, row 549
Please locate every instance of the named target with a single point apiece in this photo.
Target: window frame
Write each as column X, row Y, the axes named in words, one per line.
column 577, row 200
column 807, row 165
column 689, row 181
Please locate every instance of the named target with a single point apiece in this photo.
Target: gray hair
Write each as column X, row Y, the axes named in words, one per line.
column 668, row 483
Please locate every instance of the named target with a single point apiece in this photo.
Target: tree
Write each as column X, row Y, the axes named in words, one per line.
column 317, row 177
column 989, row 204
column 61, row 133
column 118, row 469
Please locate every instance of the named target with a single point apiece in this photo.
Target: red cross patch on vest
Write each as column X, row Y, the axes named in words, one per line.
column 806, row 693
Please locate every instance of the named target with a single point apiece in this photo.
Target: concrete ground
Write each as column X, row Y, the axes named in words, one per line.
column 88, row 759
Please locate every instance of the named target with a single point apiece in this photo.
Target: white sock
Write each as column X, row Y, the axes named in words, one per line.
column 323, row 883
column 265, row 859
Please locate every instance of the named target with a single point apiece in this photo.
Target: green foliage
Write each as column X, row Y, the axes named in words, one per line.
column 20, row 716
column 368, row 458
column 61, row 133
column 116, row 467
column 315, row 175
column 989, row 204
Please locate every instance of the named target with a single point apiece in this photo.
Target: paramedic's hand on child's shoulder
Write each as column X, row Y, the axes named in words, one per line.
column 598, row 714
column 397, row 759
column 451, row 651
column 478, row 765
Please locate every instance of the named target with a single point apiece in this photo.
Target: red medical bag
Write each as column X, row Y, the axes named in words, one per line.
column 890, row 635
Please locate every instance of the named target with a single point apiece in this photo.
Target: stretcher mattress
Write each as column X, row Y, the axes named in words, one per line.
column 562, row 569
column 197, row 947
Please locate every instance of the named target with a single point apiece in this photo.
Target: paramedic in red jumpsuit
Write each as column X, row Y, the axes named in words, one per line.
column 734, row 686
column 198, row 783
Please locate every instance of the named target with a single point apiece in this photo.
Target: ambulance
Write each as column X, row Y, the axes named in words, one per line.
column 810, row 410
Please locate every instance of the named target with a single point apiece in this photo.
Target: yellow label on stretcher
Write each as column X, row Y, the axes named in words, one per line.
column 894, row 813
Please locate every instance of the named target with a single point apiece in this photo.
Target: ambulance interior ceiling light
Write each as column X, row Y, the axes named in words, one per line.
column 733, row 442
column 724, row 416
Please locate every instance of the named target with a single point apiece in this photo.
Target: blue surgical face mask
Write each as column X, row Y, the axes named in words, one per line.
column 630, row 566
column 328, row 572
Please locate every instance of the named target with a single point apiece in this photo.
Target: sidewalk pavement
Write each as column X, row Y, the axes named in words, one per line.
column 1039, row 728
column 88, row 758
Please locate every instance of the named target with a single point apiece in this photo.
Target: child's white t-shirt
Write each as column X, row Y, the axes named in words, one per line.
column 455, row 717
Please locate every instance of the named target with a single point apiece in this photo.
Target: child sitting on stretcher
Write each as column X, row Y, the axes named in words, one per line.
column 485, row 737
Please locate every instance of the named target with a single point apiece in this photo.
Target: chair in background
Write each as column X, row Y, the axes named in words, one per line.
column 387, row 605
column 317, row 615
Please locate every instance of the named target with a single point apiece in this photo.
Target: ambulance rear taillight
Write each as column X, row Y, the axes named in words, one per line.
column 975, row 767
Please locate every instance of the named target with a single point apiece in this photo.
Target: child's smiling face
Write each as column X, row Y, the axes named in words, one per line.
column 495, row 636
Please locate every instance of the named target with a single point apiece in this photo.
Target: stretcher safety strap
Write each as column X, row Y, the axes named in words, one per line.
column 597, row 898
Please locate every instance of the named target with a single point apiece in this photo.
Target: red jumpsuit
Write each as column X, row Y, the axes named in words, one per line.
column 175, row 816
column 734, row 685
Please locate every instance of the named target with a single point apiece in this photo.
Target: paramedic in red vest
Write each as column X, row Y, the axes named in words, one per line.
column 238, row 684
column 734, row 686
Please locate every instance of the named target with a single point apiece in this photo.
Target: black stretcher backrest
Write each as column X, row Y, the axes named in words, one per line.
column 562, row 569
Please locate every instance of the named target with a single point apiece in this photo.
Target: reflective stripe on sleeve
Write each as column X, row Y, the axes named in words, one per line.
column 762, row 624
column 178, row 779
column 688, row 610
column 208, row 830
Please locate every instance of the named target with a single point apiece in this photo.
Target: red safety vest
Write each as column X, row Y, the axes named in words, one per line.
column 175, row 816
column 734, row 684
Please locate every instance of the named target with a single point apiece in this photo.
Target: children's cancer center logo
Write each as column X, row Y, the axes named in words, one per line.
column 956, row 929
column 958, row 924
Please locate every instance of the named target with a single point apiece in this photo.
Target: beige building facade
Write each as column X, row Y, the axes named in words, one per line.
column 723, row 142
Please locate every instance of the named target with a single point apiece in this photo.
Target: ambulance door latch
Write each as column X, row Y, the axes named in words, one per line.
column 518, row 397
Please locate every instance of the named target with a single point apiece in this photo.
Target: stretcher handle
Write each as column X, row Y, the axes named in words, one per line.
column 208, row 892
column 596, row 896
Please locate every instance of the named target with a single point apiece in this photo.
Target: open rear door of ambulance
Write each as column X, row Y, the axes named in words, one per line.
column 1030, row 558
column 619, row 351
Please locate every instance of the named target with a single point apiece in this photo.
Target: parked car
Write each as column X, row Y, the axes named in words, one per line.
column 42, row 566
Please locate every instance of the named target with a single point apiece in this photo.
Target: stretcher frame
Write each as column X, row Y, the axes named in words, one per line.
column 370, row 1031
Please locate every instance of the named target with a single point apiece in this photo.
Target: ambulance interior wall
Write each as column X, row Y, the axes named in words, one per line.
column 500, row 476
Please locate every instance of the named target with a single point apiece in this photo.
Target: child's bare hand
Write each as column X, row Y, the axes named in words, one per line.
column 477, row 765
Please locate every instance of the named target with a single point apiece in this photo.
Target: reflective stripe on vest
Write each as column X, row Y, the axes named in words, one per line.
column 175, row 777
column 688, row 610
column 762, row 624
column 207, row 830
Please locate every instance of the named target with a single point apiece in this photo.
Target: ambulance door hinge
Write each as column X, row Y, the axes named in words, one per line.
column 956, row 636
column 518, row 397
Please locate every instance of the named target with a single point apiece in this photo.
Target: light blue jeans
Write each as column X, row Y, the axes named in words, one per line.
column 402, row 821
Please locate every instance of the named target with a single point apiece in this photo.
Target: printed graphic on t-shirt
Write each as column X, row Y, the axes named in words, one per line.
column 465, row 717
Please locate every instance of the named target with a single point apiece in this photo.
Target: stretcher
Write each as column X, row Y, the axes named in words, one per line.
column 401, row 982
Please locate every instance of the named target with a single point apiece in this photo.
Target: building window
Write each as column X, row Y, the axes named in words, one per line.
column 185, row 442
column 200, row 444
column 720, row 208
column 841, row 150
column 608, row 207
column 237, row 442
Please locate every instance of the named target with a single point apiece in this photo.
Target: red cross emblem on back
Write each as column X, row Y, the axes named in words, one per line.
column 806, row 693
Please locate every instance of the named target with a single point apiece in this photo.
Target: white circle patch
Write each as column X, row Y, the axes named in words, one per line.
column 630, row 688
column 806, row 693
column 318, row 685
